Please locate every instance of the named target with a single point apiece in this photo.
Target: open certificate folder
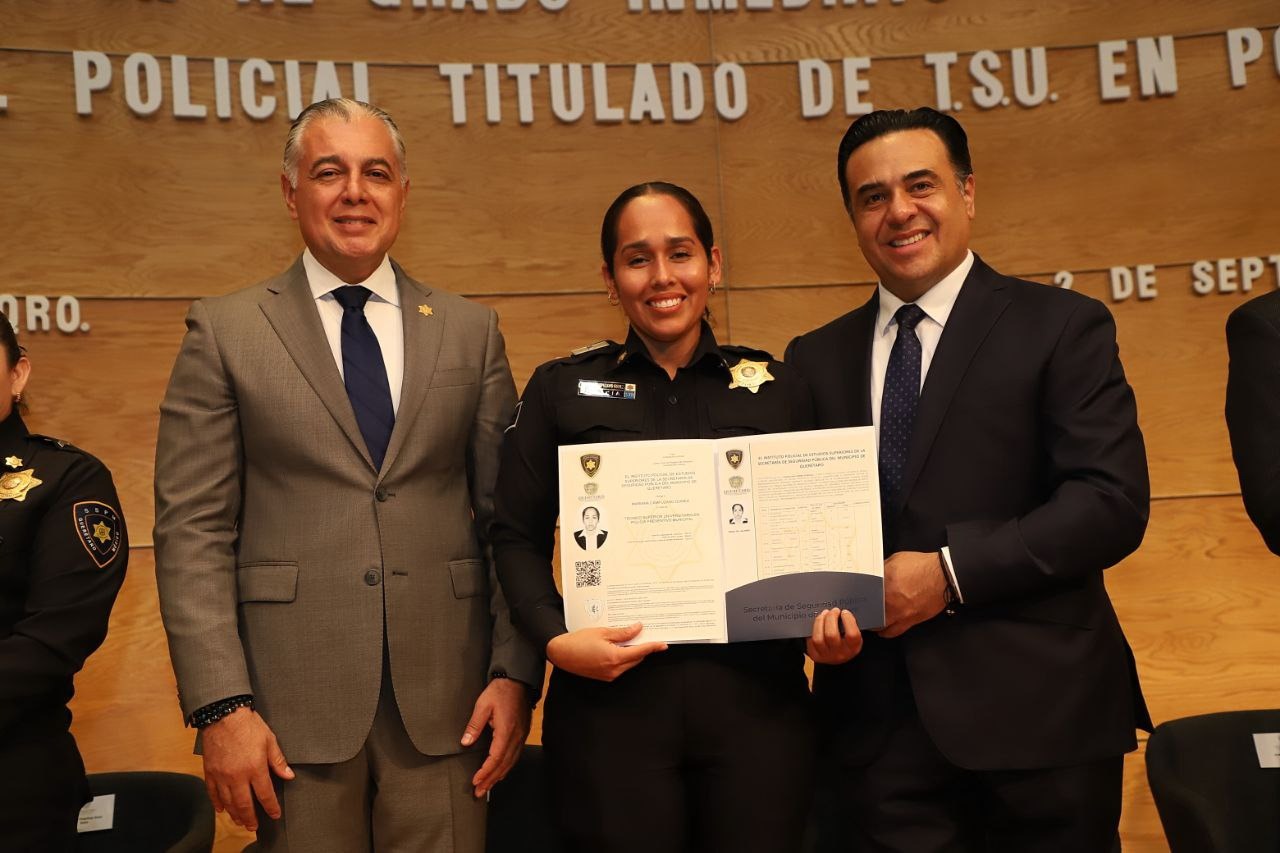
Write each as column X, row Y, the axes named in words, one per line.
column 722, row 540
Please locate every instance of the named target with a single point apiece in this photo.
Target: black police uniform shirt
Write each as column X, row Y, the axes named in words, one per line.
column 63, row 552
column 557, row 410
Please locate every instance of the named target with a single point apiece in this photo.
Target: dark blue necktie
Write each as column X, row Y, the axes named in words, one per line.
column 898, row 406
column 364, row 372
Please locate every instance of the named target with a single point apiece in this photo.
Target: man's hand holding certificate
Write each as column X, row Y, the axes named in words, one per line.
column 744, row 538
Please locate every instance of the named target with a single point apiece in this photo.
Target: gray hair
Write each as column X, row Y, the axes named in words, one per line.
column 345, row 109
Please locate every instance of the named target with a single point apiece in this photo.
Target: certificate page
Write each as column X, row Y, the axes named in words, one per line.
column 640, row 539
column 801, row 530
column 814, row 503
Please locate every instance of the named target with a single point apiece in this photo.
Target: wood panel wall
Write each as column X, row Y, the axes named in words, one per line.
column 137, row 216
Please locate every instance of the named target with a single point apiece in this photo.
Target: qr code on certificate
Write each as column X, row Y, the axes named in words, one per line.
column 588, row 572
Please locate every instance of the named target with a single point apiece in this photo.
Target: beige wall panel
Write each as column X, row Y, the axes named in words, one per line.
column 1175, row 355
column 1140, row 829
column 101, row 391
column 770, row 317
column 1197, row 602
column 586, row 31
column 916, row 27
column 1075, row 184
column 191, row 208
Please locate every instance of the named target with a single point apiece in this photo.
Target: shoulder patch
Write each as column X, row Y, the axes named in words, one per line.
column 590, row 351
column 55, row 442
column 97, row 526
column 590, row 347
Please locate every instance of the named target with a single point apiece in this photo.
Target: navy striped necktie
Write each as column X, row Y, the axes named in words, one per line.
column 364, row 372
column 898, row 406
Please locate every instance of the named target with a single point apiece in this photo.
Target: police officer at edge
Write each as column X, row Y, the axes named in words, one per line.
column 63, row 551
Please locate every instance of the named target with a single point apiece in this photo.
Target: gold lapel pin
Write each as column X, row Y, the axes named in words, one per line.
column 425, row 310
column 13, row 461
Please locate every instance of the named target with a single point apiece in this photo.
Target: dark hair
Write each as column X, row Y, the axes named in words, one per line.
column 9, row 342
column 12, row 351
column 593, row 509
column 882, row 122
column 609, row 228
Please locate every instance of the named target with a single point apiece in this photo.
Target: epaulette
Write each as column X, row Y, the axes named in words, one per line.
column 55, row 442
column 746, row 352
column 596, row 349
column 601, row 344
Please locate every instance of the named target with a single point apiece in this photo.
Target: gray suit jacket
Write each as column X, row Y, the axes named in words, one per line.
column 282, row 554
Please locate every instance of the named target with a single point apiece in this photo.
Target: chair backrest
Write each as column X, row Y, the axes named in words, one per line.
column 1211, row 793
column 520, row 817
column 154, row 811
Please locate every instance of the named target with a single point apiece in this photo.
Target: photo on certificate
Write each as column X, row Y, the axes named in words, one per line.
column 724, row 540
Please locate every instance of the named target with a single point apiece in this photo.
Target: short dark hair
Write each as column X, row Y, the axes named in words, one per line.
column 882, row 122
column 9, row 343
column 593, row 509
column 609, row 228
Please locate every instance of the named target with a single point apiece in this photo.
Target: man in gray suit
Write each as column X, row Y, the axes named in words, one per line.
column 324, row 472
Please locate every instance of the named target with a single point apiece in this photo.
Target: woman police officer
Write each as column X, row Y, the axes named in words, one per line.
column 63, row 550
column 693, row 747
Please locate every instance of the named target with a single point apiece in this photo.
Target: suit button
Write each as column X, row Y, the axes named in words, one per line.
column 673, row 399
column 372, row 577
column 381, row 494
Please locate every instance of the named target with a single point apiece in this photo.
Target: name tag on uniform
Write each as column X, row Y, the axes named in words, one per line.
column 612, row 390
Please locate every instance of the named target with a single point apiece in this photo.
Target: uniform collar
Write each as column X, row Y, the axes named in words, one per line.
column 13, row 428
column 707, row 350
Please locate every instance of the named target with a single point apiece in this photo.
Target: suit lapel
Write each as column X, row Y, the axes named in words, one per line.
column 291, row 311
column 978, row 306
column 423, row 335
column 862, row 326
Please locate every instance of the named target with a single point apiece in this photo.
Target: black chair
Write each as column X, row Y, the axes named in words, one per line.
column 520, row 818
column 155, row 812
column 1211, row 793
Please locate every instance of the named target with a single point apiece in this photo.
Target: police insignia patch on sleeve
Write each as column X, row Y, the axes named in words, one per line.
column 98, row 526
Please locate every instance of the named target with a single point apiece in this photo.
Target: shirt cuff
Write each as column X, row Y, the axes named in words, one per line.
column 951, row 573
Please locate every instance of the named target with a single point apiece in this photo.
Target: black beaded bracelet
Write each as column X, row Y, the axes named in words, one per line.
column 214, row 711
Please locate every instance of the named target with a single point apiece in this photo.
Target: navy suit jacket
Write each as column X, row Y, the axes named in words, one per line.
column 1026, row 459
column 1253, row 409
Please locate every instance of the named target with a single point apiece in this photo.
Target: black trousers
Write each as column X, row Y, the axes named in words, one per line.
column 699, row 748
column 911, row 799
column 42, row 788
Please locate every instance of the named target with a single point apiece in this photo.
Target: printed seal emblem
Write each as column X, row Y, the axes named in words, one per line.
column 734, row 457
column 590, row 463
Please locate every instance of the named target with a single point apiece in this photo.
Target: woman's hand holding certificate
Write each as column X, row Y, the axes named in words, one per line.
column 596, row 653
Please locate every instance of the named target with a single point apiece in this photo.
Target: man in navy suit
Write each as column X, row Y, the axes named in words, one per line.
column 993, row 710
column 1253, row 409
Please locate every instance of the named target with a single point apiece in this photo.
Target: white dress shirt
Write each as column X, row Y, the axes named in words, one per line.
column 936, row 303
column 382, row 311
